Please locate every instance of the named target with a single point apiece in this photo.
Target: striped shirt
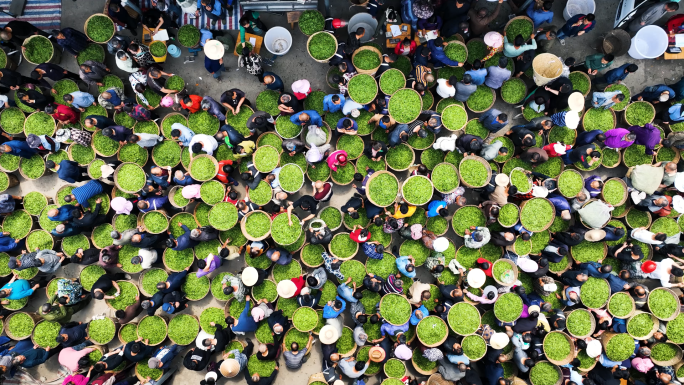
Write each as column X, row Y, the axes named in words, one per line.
column 559, row 118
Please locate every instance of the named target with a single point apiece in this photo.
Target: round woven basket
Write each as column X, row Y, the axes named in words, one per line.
column 34, row 330
column 40, row 176
column 403, row 194
column 674, row 295
column 624, row 196
column 172, row 191
column 172, row 165
column 377, row 87
column 56, row 56
column 34, row 316
column 300, row 186
column 484, row 162
column 140, row 282
column 632, row 124
column 164, row 259
column 196, row 319
column 619, row 162
column 586, row 111
column 498, row 220
column 677, row 358
column 591, row 318
column 488, row 107
column 367, row 48
column 51, row 237
column 116, row 333
column 85, row 28
column 166, row 327
column 329, row 75
column 529, row 179
column 161, row 125
column 153, row 211
column 213, row 160
column 244, row 230
column 436, row 343
column 455, row 107
column 353, row 350
column 676, row 151
column 513, row 268
column 457, row 42
column 137, row 293
column 332, row 176
column 676, row 369
column 425, row 372
column 341, row 216
column 560, row 374
column 295, row 326
column 515, row 80
column 266, row 171
column 396, row 359
column 630, row 313
column 306, row 264
column 370, row 179
column 116, row 177
column 650, row 218
column 48, row 285
column 413, row 159
column 656, row 324
column 483, row 353
column 390, row 112
column 308, row 41
column 455, row 173
column 569, row 171
column 380, row 307
column 52, row 132
column 343, row 259
column 628, row 100
column 433, row 101
column 605, row 252
column 588, row 79
column 527, row 38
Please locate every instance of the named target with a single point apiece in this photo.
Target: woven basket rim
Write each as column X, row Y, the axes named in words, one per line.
column 452, row 328
column 459, row 43
column 34, row 316
column 650, row 218
column 295, row 312
column 38, row 36
column 155, row 211
column 628, row 100
column 588, row 79
column 116, row 173
column 166, row 328
column 140, row 280
column 514, row 268
column 308, row 41
column 372, row 178
column 214, row 161
column 560, row 374
column 116, row 332
column 366, row 48
column 333, row 254
column 416, row 177
column 553, row 216
column 672, row 293
column 85, row 28
column 630, row 298
column 169, row 115
column 490, row 105
column 481, row 160
column 656, row 324
column 413, row 159
column 254, row 160
column 624, row 185
column 155, row 160
column 592, row 319
column 392, row 294
column 341, row 220
column 586, row 111
column 243, row 222
column 401, row 89
column 377, row 85
column 677, row 358
column 483, row 354
column 164, row 258
column 633, row 103
column 455, row 169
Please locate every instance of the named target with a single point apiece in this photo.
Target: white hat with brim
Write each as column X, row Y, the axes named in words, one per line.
column 540, row 191
column 230, row 368
column 678, row 203
column 502, row 180
column 572, row 120
column 476, row 278
column 338, row 382
column 594, row 349
column 499, row 340
column 328, row 335
column 576, row 101
column 493, row 39
column 679, row 181
column 441, row 244
column 377, row 354
column 213, row 49
column 595, row 235
column 286, row 289
column 62, row 135
column 249, row 276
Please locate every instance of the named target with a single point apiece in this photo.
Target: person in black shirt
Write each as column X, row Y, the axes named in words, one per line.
column 354, row 41
column 352, row 206
column 197, row 359
column 288, row 104
column 106, row 283
column 306, row 203
column 86, row 257
column 98, row 121
column 156, row 82
column 234, row 99
column 16, row 31
column 52, row 72
column 90, row 219
column 35, row 99
column 153, row 303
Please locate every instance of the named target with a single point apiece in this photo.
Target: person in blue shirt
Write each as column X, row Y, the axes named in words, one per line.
column 61, row 214
column 153, row 203
column 619, row 283
column 439, row 58
column 173, row 282
column 400, row 134
column 181, row 242
column 655, row 94
column 596, row 270
column 17, row 289
column 477, row 73
column 308, row 118
column 161, row 177
column 348, row 293
column 17, row 148
column 541, row 15
column 182, row 134
column 245, row 323
column 418, row 314
column 617, row 75
column 273, row 82
column 8, row 243
column 347, row 126
column 334, row 308
column 80, row 100
column 65, row 230
column 561, row 205
column 406, row 265
column 82, row 193
column 69, row 171
column 587, row 137
column 333, row 102
column 494, row 120
column 211, row 9
column 181, row 178
column 436, row 208
column 673, row 114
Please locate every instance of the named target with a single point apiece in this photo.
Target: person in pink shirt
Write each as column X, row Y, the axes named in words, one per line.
column 77, row 379
column 619, row 138
column 642, row 364
column 68, row 357
column 337, row 158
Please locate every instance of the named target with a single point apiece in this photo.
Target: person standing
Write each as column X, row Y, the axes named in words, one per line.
column 578, row 25
column 652, row 14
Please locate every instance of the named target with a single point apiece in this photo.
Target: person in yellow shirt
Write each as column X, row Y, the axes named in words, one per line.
column 403, row 210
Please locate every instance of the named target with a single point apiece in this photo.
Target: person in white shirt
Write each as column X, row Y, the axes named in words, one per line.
column 145, row 257
column 203, row 142
column 664, row 269
column 445, row 88
column 642, row 234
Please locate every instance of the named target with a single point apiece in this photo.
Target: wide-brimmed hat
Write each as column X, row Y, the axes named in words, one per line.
column 502, row 180
column 678, row 203
column 440, row 244
column 249, row 276
column 493, row 39
column 286, row 289
column 595, row 235
column 328, row 335
column 62, row 135
column 679, row 181
column 576, row 101
column 476, row 278
column 540, row 191
column 594, row 348
column 213, row 49
column 230, row 368
column 572, row 120
column 376, row 354
column 499, row 340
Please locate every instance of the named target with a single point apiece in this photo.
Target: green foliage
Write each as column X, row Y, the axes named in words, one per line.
column 621, row 305
column 391, row 81
column 188, row 35
column 536, row 215
column 405, row 105
column 508, row 307
column 395, row 309
column 94, row 52
column 322, row 46
column 20, row 325
column 383, row 189
column 620, row 347
column 464, row 319
column 45, row 334
column 99, row 28
column 366, row 59
column 599, row 119
column 594, row 293
column 130, row 177
column 662, row 303
column 580, row 82
column 38, row 50
column 639, row 113
column 544, row 373
column 101, row 331
column 513, row 91
column 342, row 246
column 473, row 173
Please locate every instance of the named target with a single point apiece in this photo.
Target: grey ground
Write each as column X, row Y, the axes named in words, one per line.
column 297, row 65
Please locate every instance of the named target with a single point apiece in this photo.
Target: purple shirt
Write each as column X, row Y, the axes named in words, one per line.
column 647, row 136
column 388, row 329
column 587, row 185
column 213, row 261
column 614, row 138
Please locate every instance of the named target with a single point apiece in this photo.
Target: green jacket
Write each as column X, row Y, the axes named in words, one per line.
column 594, row 62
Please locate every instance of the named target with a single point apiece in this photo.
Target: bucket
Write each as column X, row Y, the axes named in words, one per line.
column 547, row 67
column 174, row 51
column 364, row 20
column 578, row 7
column 278, row 40
column 649, row 43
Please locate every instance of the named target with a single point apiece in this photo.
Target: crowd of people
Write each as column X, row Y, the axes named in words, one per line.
column 636, row 262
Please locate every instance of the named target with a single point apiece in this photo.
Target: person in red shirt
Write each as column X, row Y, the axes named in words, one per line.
column 63, row 114
column 192, row 103
column 299, row 283
column 665, row 211
column 556, row 149
column 323, row 191
column 225, row 167
column 485, row 265
column 359, row 234
column 406, row 48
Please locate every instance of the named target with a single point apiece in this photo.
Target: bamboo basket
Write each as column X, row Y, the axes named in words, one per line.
column 437, row 379
column 166, row 266
column 484, row 162
column 588, row 79
column 306, row 264
column 677, row 358
column 489, row 107
column 56, row 56
column 483, row 354
column 587, row 226
column 605, row 252
column 457, row 42
column 624, row 196
column 116, row 177
column 606, row 337
column 454, row 129
column 34, row 316
column 151, row 232
column 155, row 160
column 296, row 262
column 137, row 294
column 455, row 172
column 440, row 341
column 13, row 181
column 656, row 324
column 137, row 374
column 625, row 115
column 402, row 362
column 366, row 48
column 166, row 327
column 300, row 186
column 630, row 313
column 674, row 295
column 116, row 333
column 34, row 330
column 433, row 101
column 85, row 28
column 226, row 307
column 343, row 259
column 591, row 318
column 529, row 180
column 413, row 159
column 295, row 326
column 619, row 162
column 383, row 74
column 370, row 180
column 308, row 41
column 586, row 111
column 479, row 321
column 650, row 219
column 51, row 237
column 570, row 171
column 560, row 374
column 340, row 183
column 498, row 220
column 244, row 230
column 198, row 322
column 353, row 350
column 513, row 268
column 514, row 80
column 40, row 176
column 140, row 282
column 390, row 113
column 9, row 62
column 676, row 151
column 147, row 156
column 676, row 368
column 168, row 116
column 213, row 160
column 527, row 38
column 172, row 191
column 305, row 131
column 265, row 171
column 52, row 132
column 376, row 87
column 624, row 214
column 341, row 216
column 403, row 195
column 425, row 372
column 25, row 212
